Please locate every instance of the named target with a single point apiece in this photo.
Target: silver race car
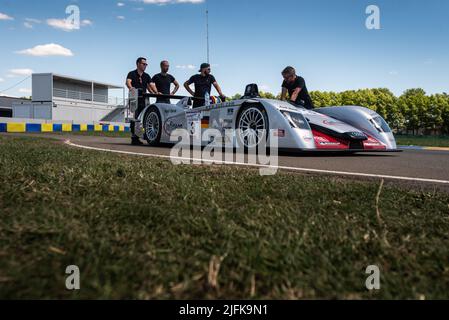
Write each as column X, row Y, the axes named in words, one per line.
column 344, row 128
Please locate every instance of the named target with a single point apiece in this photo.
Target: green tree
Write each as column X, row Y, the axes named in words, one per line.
column 412, row 103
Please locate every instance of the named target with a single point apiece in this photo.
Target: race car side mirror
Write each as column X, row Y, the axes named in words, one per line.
column 252, row 91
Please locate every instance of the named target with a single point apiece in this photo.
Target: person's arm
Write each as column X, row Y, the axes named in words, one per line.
column 129, row 84
column 217, row 87
column 300, row 84
column 187, row 86
column 176, row 83
column 284, row 94
column 295, row 94
column 152, row 88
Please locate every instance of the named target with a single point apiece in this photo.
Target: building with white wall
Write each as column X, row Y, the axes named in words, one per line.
column 6, row 104
column 62, row 98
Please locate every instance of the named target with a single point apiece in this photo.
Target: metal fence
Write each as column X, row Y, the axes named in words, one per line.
column 87, row 96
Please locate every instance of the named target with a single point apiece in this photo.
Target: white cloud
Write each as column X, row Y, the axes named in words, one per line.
column 86, row 22
column 2, row 80
column 31, row 20
column 393, row 73
column 50, row 49
column 120, row 17
column 19, row 72
column 4, row 16
column 164, row 2
column 65, row 25
column 188, row 67
column 61, row 24
column 25, row 90
column 120, row 4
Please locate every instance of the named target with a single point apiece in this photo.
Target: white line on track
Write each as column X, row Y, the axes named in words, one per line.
column 331, row 172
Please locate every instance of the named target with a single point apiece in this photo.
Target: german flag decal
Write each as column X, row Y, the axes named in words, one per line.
column 205, row 123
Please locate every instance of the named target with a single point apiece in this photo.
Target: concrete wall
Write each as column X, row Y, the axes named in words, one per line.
column 65, row 109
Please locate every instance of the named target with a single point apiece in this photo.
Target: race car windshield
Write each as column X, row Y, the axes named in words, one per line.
column 381, row 123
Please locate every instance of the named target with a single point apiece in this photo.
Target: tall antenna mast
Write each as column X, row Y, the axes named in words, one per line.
column 207, row 32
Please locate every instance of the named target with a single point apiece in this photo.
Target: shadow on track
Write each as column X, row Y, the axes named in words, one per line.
column 289, row 153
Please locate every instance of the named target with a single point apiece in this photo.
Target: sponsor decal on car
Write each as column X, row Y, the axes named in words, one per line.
column 280, row 133
column 194, row 123
column 328, row 143
column 325, row 142
column 172, row 124
column 230, row 111
column 227, row 123
column 372, row 143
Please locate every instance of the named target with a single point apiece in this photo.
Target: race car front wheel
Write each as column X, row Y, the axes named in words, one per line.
column 153, row 126
column 252, row 126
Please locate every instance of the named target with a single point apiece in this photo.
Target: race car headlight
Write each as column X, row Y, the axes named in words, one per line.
column 296, row 120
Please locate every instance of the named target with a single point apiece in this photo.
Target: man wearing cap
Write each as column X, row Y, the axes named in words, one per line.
column 203, row 84
column 139, row 80
column 296, row 88
column 163, row 82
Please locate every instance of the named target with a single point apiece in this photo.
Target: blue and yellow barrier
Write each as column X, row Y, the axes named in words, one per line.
column 21, row 127
column 417, row 148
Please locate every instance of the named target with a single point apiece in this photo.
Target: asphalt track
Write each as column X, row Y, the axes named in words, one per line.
column 422, row 168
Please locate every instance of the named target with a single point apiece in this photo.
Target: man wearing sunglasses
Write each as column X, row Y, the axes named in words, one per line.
column 203, row 83
column 139, row 80
column 295, row 87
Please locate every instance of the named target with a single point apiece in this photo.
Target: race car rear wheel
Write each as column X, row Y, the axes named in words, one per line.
column 252, row 126
column 153, row 126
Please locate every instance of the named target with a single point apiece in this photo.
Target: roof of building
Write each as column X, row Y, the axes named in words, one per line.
column 13, row 98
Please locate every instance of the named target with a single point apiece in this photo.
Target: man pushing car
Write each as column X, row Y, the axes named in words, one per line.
column 296, row 88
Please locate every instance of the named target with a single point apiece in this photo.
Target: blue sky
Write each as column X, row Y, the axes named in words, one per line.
column 251, row 41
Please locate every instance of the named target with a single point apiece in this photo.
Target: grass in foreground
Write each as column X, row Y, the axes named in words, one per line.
column 142, row 228
column 423, row 141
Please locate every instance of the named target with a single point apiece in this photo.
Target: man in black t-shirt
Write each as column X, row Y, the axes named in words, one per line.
column 203, row 83
column 296, row 88
column 139, row 80
column 163, row 82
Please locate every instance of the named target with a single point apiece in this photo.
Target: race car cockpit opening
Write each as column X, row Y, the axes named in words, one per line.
column 251, row 91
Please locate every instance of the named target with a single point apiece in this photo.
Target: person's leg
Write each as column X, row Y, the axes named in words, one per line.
column 134, row 138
